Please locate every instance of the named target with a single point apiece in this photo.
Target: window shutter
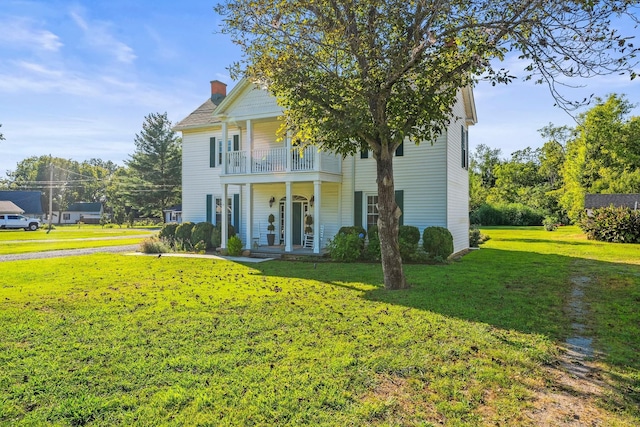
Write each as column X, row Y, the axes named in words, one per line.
column 400, row 150
column 212, row 152
column 364, row 154
column 462, row 147
column 236, row 213
column 400, row 203
column 357, row 208
column 209, row 208
column 466, row 148
column 236, row 142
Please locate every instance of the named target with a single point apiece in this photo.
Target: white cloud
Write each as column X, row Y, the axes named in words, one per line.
column 20, row 33
column 98, row 35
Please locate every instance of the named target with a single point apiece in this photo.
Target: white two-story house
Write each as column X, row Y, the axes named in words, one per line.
column 233, row 162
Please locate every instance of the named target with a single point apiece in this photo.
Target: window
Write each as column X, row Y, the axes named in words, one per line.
column 219, row 210
column 66, row 217
column 372, row 211
column 220, row 151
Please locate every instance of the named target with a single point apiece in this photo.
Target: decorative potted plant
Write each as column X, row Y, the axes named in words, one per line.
column 271, row 235
column 308, row 222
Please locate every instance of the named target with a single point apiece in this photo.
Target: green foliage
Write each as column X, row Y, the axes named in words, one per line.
column 354, row 229
column 201, row 232
column 231, row 231
column 372, row 251
column 616, row 225
column 183, row 235
column 168, row 233
column 476, row 238
column 271, row 220
column 507, row 214
column 437, row 242
column 155, row 167
column 550, row 223
column 234, row 246
column 408, row 238
column 154, row 245
column 216, row 237
column 345, row 247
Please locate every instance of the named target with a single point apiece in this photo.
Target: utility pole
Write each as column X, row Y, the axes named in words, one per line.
column 50, row 196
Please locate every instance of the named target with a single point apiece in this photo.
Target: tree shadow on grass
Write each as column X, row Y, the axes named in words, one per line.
column 514, row 290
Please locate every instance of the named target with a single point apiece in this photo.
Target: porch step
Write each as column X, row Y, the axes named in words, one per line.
column 258, row 254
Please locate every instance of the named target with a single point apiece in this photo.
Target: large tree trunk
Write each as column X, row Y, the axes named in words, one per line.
column 388, row 216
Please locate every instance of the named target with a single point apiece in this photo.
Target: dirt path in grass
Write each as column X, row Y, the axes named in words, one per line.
column 571, row 397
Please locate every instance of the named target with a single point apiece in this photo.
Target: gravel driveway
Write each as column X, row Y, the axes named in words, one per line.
column 69, row 252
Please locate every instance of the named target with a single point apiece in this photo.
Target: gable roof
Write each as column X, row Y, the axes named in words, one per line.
column 593, row 201
column 28, row 201
column 85, row 207
column 201, row 117
column 9, row 207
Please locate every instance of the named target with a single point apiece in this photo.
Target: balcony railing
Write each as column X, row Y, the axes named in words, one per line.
column 282, row 160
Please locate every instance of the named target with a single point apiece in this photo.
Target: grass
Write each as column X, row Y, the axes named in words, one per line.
column 121, row 340
column 68, row 237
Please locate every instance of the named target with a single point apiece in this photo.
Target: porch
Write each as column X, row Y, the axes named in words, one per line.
column 280, row 159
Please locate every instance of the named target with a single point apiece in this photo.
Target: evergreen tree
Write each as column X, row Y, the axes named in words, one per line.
column 155, row 167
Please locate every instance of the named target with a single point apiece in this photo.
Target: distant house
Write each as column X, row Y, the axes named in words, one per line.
column 89, row 213
column 173, row 214
column 29, row 201
column 594, row 201
column 7, row 207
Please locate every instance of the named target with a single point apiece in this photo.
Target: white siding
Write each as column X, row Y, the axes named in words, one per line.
column 253, row 102
column 457, row 203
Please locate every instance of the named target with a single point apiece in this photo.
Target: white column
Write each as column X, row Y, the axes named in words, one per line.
column 225, row 219
column 225, row 144
column 249, row 216
column 317, row 198
column 288, row 218
column 249, row 146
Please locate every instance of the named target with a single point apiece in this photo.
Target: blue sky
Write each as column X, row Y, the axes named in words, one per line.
column 77, row 78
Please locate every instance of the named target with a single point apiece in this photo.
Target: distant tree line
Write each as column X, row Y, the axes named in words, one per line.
column 149, row 182
column 601, row 154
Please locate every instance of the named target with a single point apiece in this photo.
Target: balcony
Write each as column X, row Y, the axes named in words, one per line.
column 281, row 160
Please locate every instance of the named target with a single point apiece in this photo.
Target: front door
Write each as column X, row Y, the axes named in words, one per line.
column 299, row 210
column 297, row 223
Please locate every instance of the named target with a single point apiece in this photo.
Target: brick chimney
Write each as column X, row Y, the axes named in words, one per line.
column 218, row 91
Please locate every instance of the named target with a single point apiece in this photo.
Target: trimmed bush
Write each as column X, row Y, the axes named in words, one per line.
column 372, row 251
column 353, row 229
column 616, row 225
column 216, row 238
column 476, row 238
column 231, row 231
column 234, row 246
column 201, row 232
column 345, row 247
column 168, row 233
column 408, row 238
column 437, row 242
column 550, row 223
column 183, row 235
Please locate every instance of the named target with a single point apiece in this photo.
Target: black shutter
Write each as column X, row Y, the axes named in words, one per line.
column 364, row 154
column 357, row 209
column 400, row 150
column 236, row 142
column 212, row 152
column 209, row 208
column 400, row 203
column 236, row 213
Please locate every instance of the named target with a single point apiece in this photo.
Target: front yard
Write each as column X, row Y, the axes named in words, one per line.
column 122, row 340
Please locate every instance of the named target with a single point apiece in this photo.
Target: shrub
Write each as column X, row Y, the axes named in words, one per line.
column 201, row 232
column 234, row 246
column 183, row 235
column 550, row 223
column 616, row 225
column 354, row 229
column 507, row 214
column 408, row 238
column 437, row 242
column 168, row 233
column 345, row 247
column 216, row 238
column 154, row 245
column 231, row 231
column 372, row 251
column 200, row 247
column 476, row 238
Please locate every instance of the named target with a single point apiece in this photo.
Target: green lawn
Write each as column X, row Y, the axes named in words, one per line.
column 130, row 340
column 68, row 237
